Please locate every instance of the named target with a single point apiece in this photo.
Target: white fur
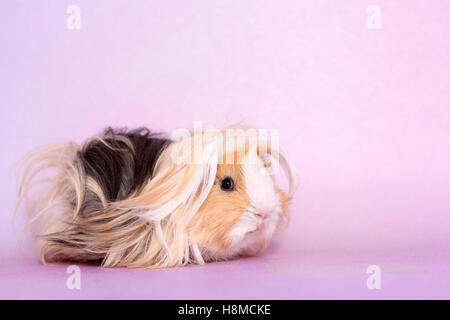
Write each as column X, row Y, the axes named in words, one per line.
column 252, row 232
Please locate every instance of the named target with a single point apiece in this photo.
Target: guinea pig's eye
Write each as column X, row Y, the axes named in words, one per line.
column 227, row 184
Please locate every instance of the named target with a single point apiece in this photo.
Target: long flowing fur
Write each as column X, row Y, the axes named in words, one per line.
column 119, row 199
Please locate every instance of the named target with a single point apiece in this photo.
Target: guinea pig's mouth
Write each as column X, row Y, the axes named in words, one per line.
column 260, row 227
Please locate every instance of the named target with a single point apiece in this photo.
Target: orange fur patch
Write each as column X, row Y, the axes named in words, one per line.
column 221, row 210
column 285, row 217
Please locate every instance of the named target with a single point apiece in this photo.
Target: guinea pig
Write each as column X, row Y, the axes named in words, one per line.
column 134, row 198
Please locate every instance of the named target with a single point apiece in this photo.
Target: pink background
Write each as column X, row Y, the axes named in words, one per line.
column 364, row 115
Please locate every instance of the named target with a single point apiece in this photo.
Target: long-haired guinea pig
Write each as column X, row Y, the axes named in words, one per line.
column 136, row 199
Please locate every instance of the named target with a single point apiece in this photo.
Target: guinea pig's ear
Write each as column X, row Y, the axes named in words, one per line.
column 173, row 195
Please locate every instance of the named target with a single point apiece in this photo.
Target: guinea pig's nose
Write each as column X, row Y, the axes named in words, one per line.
column 261, row 215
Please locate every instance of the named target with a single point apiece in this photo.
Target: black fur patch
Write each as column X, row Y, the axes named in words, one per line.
column 118, row 168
